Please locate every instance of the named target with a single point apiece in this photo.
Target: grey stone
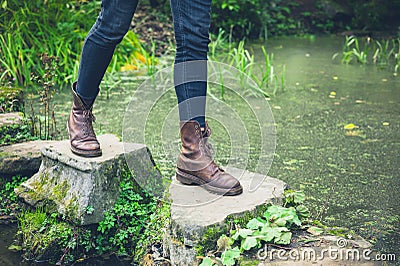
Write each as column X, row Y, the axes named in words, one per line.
column 357, row 242
column 195, row 212
column 10, row 119
column 22, row 158
column 74, row 186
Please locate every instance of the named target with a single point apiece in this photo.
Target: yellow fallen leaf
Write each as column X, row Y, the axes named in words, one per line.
column 128, row 68
column 385, row 123
column 350, row 126
column 332, row 93
column 140, row 57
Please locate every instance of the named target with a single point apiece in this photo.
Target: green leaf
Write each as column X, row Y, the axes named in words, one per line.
column 299, row 197
column 15, row 248
column 245, row 232
column 281, row 221
column 229, row 256
column 316, row 231
column 255, row 224
column 235, row 235
column 284, row 238
column 269, row 233
column 249, row 243
column 207, row 262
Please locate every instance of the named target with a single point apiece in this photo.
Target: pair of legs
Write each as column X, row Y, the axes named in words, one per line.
column 191, row 26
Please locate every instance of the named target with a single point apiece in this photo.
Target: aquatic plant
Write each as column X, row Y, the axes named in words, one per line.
column 383, row 53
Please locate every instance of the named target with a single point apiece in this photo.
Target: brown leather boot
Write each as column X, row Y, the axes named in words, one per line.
column 196, row 166
column 80, row 129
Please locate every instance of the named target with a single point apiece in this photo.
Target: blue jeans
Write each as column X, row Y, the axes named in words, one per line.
column 191, row 26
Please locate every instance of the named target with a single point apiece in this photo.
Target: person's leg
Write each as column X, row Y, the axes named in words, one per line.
column 191, row 26
column 195, row 162
column 110, row 28
column 112, row 24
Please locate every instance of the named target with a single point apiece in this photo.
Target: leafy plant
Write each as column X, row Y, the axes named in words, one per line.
column 8, row 199
column 274, row 226
column 129, row 229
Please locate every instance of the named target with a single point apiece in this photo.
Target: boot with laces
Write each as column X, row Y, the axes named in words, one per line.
column 196, row 165
column 80, row 129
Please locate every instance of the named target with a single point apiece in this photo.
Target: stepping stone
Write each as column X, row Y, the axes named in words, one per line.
column 80, row 188
column 199, row 217
column 22, row 158
column 10, row 119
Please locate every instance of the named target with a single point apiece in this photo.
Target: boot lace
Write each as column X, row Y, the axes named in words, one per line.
column 89, row 118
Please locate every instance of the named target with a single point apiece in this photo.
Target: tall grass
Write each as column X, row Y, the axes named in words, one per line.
column 30, row 29
column 58, row 28
column 383, row 53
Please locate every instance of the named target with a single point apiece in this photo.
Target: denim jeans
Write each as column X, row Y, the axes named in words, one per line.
column 191, row 26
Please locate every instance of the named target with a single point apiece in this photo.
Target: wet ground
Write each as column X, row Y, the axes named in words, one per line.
column 351, row 176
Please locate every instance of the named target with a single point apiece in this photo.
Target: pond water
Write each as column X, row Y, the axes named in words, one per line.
column 356, row 177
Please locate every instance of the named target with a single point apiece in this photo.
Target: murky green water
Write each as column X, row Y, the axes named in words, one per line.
column 357, row 175
column 313, row 150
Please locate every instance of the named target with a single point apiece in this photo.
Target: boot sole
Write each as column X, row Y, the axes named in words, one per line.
column 189, row 179
column 83, row 153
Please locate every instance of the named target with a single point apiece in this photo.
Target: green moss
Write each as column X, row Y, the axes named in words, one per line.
column 60, row 191
column 248, row 262
column 43, row 236
column 209, row 239
column 71, row 208
column 4, row 154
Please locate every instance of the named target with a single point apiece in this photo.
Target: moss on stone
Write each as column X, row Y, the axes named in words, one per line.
column 248, row 262
column 4, row 154
column 60, row 191
column 71, row 208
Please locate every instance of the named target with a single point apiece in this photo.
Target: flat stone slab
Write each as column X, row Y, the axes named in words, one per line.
column 195, row 211
column 22, row 158
column 7, row 119
column 84, row 188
